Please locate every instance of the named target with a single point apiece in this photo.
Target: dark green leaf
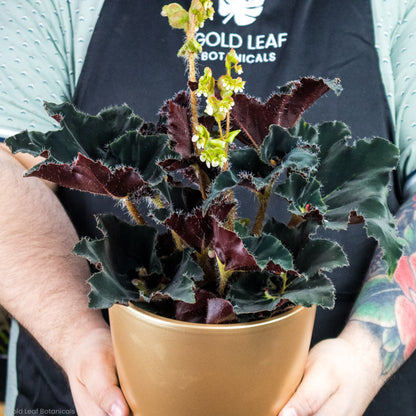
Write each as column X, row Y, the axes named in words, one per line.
column 356, row 178
column 242, row 227
column 329, row 133
column 248, row 160
column 179, row 198
column 293, row 239
column 121, row 255
column 316, row 290
column 182, row 284
column 277, row 144
column 320, row 255
column 306, row 131
column 303, row 194
column 281, row 148
column 223, row 182
column 79, row 133
column 301, row 160
column 246, row 170
column 142, row 153
column 266, row 249
column 252, row 292
column 248, row 293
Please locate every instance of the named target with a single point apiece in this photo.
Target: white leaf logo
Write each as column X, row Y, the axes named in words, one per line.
column 244, row 12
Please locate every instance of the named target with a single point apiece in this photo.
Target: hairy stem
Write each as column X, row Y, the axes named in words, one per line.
column 264, row 198
column 224, row 276
column 194, row 99
column 134, row 211
column 204, row 181
column 207, row 265
column 190, row 33
column 178, row 241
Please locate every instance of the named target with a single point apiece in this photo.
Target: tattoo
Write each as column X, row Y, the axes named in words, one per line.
column 388, row 307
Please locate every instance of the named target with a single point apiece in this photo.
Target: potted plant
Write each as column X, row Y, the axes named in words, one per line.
column 217, row 293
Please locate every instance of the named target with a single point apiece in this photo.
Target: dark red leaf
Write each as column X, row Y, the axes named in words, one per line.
column 86, row 175
column 354, row 218
column 179, row 129
column 207, row 121
column 194, row 312
column 304, row 93
column 221, row 210
column 181, row 98
column 195, row 229
column 254, row 118
column 193, row 85
column 230, row 250
column 182, row 166
column 275, row 268
column 220, row 311
column 57, row 117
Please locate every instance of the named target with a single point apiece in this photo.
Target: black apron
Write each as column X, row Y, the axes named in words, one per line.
column 132, row 59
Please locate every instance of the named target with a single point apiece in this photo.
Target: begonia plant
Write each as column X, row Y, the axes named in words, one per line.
column 189, row 253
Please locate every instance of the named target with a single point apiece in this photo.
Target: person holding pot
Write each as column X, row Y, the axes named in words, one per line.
column 100, row 53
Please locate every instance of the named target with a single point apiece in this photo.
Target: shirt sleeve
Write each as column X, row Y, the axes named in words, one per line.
column 395, row 35
column 42, row 48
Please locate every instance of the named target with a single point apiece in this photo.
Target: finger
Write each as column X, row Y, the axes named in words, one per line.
column 314, row 391
column 341, row 404
column 84, row 404
column 100, row 380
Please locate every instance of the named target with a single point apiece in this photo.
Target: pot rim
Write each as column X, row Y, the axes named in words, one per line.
column 162, row 321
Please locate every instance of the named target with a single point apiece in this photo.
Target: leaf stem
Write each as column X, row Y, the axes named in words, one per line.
column 207, row 265
column 264, row 198
column 224, row 276
column 178, row 241
column 134, row 211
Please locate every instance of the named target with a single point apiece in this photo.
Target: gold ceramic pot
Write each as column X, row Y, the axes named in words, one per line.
column 174, row 368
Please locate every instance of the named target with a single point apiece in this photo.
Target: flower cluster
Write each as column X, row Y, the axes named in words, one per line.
column 213, row 150
column 190, row 21
column 227, row 85
column 218, row 105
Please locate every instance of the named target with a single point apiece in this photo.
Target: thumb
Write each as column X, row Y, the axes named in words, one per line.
column 98, row 376
column 308, row 399
column 93, row 378
column 320, row 381
column 312, row 394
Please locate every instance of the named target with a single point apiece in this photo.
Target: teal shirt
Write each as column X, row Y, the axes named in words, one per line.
column 43, row 45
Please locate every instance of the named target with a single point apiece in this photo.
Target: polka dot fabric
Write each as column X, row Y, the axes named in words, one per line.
column 395, row 35
column 42, row 48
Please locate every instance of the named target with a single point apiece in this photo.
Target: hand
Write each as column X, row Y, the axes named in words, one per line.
column 92, row 376
column 339, row 380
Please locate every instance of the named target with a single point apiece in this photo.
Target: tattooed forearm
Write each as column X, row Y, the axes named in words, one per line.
column 388, row 307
